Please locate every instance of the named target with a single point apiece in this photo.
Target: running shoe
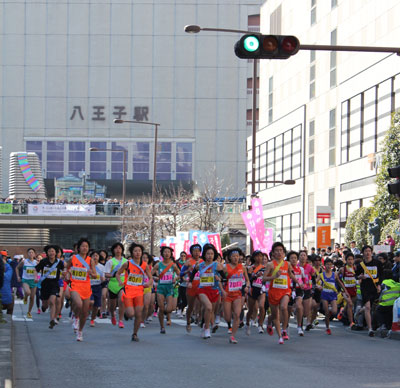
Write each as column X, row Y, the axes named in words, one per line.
column 214, row 329
column 121, row 325
column 207, row 334
column 309, row 327
column 135, row 338
column 52, row 324
column 230, row 330
column 300, row 332
column 25, row 300
column 316, row 322
column 180, row 316
column 232, row 340
column 188, row 328
column 248, row 330
column 142, row 325
column 328, row 331
column 154, row 314
column 285, row 335
column 39, row 311
column 340, row 315
column 241, row 324
column 217, row 319
column 270, row 330
column 57, row 321
column 113, row 320
column 92, row 324
column 371, row 333
column 260, row 330
column 150, row 318
column 168, row 322
column 59, row 316
column 103, row 315
column 281, row 341
column 162, row 330
column 29, row 315
column 75, row 324
column 79, row 336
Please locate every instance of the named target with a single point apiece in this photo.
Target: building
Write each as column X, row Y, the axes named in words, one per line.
column 323, row 114
column 71, row 188
column 70, row 68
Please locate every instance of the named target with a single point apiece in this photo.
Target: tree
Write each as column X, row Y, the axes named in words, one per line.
column 391, row 228
column 357, row 227
column 386, row 206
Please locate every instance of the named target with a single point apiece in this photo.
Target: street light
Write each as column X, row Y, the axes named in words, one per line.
column 95, row 149
column 153, row 188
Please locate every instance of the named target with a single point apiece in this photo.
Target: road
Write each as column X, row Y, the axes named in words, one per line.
column 107, row 357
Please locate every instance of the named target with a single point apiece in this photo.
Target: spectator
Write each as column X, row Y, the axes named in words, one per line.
column 390, row 241
column 354, row 249
column 7, row 298
column 396, row 267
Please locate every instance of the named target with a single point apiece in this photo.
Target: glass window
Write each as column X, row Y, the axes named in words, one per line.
column 55, row 159
column 76, row 155
column 98, row 160
column 369, row 121
column 355, row 127
column 345, row 132
column 311, row 164
column 141, row 160
column 313, row 15
column 164, row 161
column 184, row 161
column 117, row 159
column 384, row 107
column 35, row 146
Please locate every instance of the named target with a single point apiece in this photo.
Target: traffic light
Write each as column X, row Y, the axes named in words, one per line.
column 255, row 46
column 394, row 188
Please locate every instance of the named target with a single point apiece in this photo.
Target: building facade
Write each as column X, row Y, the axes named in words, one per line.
column 323, row 114
column 68, row 69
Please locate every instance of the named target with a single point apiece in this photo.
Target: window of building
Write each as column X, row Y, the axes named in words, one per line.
column 287, row 229
column 312, row 73
column 331, row 199
column 183, row 161
column 270, row 99
column 98, row 160
column 35, row 146
column 333, row 4
column 311, row 208
column 311, row 146
column 164, row 153
column 332, row 75
column 313, row 12
column 250, row 85
column 141, row 161
column 253, row 22
column 55, row 159
column 117, row 159
column 332, row 138
column 76, row 157
column 249, row 117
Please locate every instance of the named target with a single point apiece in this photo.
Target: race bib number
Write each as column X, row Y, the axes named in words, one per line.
column 197, row 276
column 30, row 273
column 257, row 283
column 52, row 274
column 235, row 284
column 96, row 281
column 134, row 279
column 166, row 279
column 78, row 273
column 206, row 281
column 349, row 282
column 373, row 271
column 281, row 282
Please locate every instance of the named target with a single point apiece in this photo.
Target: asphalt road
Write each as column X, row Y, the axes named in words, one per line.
column 107, row 357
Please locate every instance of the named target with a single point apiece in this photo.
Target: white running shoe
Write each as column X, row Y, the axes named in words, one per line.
column 300, row 331
column 75, row 324
column 217, row 319
column 260, row 330
column 207, row 334
column 248, row 330
column 79, row 336
column 142, row 325
column 150, row 318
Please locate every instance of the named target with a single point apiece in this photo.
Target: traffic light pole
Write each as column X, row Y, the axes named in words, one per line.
column 368, row 49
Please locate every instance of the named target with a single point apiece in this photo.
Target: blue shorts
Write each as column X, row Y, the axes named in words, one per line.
column 30, row 282
column 165, row 289
column 328, row 296
column 96, row 295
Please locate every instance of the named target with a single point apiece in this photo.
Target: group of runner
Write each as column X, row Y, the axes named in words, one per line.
column 207, row 285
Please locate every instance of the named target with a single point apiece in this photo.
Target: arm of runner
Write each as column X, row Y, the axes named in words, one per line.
column 150, row 276
column 246, row 276
column 268, row 272
column 342, row 286
column 20, row 264
column 119, row 273
column 177, row 270
column 292, row 275
column 107, row 269
column 154, row 271
column 93, row 271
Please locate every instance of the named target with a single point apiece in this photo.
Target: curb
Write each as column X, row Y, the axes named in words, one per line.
column 6, row 353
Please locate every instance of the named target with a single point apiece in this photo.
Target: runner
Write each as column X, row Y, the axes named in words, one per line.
column 256, row 296
column 348, row 276
column 307, row 287
column 63, row 286
column 114, row 289
column 329, row 292
column 147, row 294
column 236, row 274
column 298, row 289
column 182, row 300
column 279, row 272
column 50, row 269
column 165, row 290
column 210, row 283
column 104, row 286
column 79, row 270
column 369, row 272
column 29, row 281
column 96, row 285
column 135, row 281
column 191, row 293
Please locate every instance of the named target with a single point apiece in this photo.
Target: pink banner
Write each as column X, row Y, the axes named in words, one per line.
column 257, row 209
column 268, row 240
column 186, row 247
column 215, row 240
column 249, row 221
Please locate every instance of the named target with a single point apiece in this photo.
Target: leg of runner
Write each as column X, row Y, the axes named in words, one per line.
column 38, row 300
column 121, row 309
column 161, row 309
column 83, row 316
column 60, row 303
column 53, row 310
column 138, row 321
column 228, row 314
column 276, row 319
column 104, row 294
column 146, row 307
column 207, row 308
column 191, row 300
column 171, row 305
column 325, row 305
column 236, row 308
column 284, row 314
column 299, row 315
column 28, row 294
column 249, row 317
column 307, row 308
column 261, row 314
column 76, row 308
column 367, row 315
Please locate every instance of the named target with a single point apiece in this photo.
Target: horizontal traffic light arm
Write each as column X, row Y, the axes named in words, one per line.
column 368, row 49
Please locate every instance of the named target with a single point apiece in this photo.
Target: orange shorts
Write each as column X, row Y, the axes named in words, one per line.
column 232, row 296
column 84, row 291
column 136, row 301
column 211, row 293
column 193, row 290
column 274, row 298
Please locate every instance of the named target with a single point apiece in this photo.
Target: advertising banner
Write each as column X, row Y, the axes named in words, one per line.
column 6, row 208
column 74, row 210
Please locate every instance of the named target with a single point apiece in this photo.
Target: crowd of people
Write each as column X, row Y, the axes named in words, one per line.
column 357, row 288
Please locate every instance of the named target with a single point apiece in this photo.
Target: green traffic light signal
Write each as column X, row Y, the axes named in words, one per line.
column 251, row 44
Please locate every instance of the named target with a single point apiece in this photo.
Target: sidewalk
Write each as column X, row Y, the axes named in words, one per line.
column 6, row 333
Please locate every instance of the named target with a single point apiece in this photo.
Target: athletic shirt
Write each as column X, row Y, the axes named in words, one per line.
column 196, row 279
column 168, row 277
column 283, row 281
column 207, row 275
column 349, row 277
column 308, row 272
column 329, row 280
column 256, row 281
column 235, row 279
column 28, row 271
column 79, row 273
column 99, row 273
column 134, row 280
column 113, row 285
column 300, row 276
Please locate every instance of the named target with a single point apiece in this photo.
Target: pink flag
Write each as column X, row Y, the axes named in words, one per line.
column 248, row 219
column 186, row 246
column 257, row 209
column 215, row 240
column 268, row 240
